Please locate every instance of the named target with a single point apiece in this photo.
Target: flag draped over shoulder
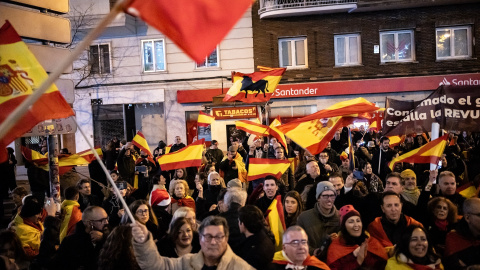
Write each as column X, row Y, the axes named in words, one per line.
column 20, row 75
column 195, row 26
column 276, row 221
column 204, row 120
column 254, row 87
column 428, row 153
column 189, row 156
column 313, row 132
column 252, row 127
column 261, row 167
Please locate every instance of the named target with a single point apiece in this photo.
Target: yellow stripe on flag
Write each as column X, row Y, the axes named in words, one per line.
column 189, row 156
column 276, row 221
column 204, row 119
column 252, row 127
column 140, row 142
column 261, row 167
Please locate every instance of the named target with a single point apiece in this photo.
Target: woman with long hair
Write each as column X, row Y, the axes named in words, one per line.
column 143, row 213
column 414, row 251
column 11, row 247
column 117, row 251
column 354, row 248
column 292, row 207
column 442, row 219
column 180, row 239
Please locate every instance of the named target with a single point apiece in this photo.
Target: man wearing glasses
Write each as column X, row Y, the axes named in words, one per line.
column 294, row 254
column 81, row 249
column 462, row 244
column 322, row 222
column 215, row 252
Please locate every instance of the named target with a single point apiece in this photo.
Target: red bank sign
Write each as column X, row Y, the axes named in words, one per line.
column 353, row 87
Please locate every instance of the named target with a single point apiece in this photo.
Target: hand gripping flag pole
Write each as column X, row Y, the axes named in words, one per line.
column 17, row 114
column 115, row 188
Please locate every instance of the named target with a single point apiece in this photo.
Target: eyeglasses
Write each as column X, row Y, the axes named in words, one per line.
column 439, row 207
column 140, row 211
column 296, row 243
column 102, row 220
column 332, row 196
column 209, row 238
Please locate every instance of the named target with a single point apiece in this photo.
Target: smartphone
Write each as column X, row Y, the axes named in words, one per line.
column 439, row 165
column 358, row 174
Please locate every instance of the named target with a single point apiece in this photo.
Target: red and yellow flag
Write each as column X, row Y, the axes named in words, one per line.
column 261, row 167
column 80, row 158
column 140, row 142
column 275, row 132
column 204, row 120
column 254, row 87
column 34, row 156
column 252, row 127
column 396, row 140
column 313, row 132
column 20, row 75
column 189, row 156
column 194, row 26
column 276, row 221
column 428, row 153
column 167, row 148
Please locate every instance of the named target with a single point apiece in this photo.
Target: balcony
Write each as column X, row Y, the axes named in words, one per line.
column 289, row 8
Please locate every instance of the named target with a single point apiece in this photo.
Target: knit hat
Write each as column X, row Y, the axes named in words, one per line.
column 408, row 173
column 234, row 183
column 346, row 212
column 30, row 208
column 323, row 186
column 343, row 156
column 160, row 197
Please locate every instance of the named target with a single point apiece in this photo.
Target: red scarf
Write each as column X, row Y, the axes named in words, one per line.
column 278, row 258
column 338, row 249
column 187, row 201
column 441, row 224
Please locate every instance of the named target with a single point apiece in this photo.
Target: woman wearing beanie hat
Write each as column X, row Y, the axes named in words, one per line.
column 354, row 248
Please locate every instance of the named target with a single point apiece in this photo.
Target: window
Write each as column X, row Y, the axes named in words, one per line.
column 293, row 52
column 210, row 61
column 99, row 59
column 153, row 55
column 348, row 50
column 454, row 42
column 397, row 46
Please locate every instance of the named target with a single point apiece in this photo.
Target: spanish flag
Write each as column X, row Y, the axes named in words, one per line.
column 189, row 156
column 80, row 158
column 34, row 156
column 167, row 148
column 140, row 142
column 351, row 152
column 204, row 120
column 252, row 127
column 396, row 140
column 71, row 215
column 428, row 153
column 194, row 26
column 254, row 87
column 275, row 132
column 313, row 132
column 261, row 167
column 20, row 75
column 276, row 221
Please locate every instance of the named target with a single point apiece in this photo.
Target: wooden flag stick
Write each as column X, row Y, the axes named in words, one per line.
column 107, row 173
column 20, row 111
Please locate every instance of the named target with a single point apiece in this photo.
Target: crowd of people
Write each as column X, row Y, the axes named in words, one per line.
column 336, row 216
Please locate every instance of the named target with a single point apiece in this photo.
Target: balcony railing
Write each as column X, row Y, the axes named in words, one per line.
column 284, row 8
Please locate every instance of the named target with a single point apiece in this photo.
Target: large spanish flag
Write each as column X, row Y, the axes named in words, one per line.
column 204, row 120
column 428, row 153
column 20, row 75
column 34, row 156
column 276, row 221
column 254, row 87
column 80, row 158
column 261, row 167
column 313, row 132
column 252, row 127
column 194, row 26
column 189, row 156
column 140, row 142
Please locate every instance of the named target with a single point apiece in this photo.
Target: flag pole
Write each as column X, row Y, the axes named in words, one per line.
column 20, row 111
column 109, row 178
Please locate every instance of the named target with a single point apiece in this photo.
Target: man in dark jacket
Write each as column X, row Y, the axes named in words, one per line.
column 234, row 199
column 381, row 157
column 258, row 248
column 178, row 145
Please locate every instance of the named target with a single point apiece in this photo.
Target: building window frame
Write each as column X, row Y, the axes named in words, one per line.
column 208, row 63
column 96, row 58
column 396, row 45
column 347, row 49
column 453, row 55
column 294, row 63
column 152, row 59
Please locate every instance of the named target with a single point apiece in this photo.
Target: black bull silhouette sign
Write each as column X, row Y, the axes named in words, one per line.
column 258, row 86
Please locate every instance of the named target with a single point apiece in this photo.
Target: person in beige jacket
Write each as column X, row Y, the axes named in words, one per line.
column 215, row 252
